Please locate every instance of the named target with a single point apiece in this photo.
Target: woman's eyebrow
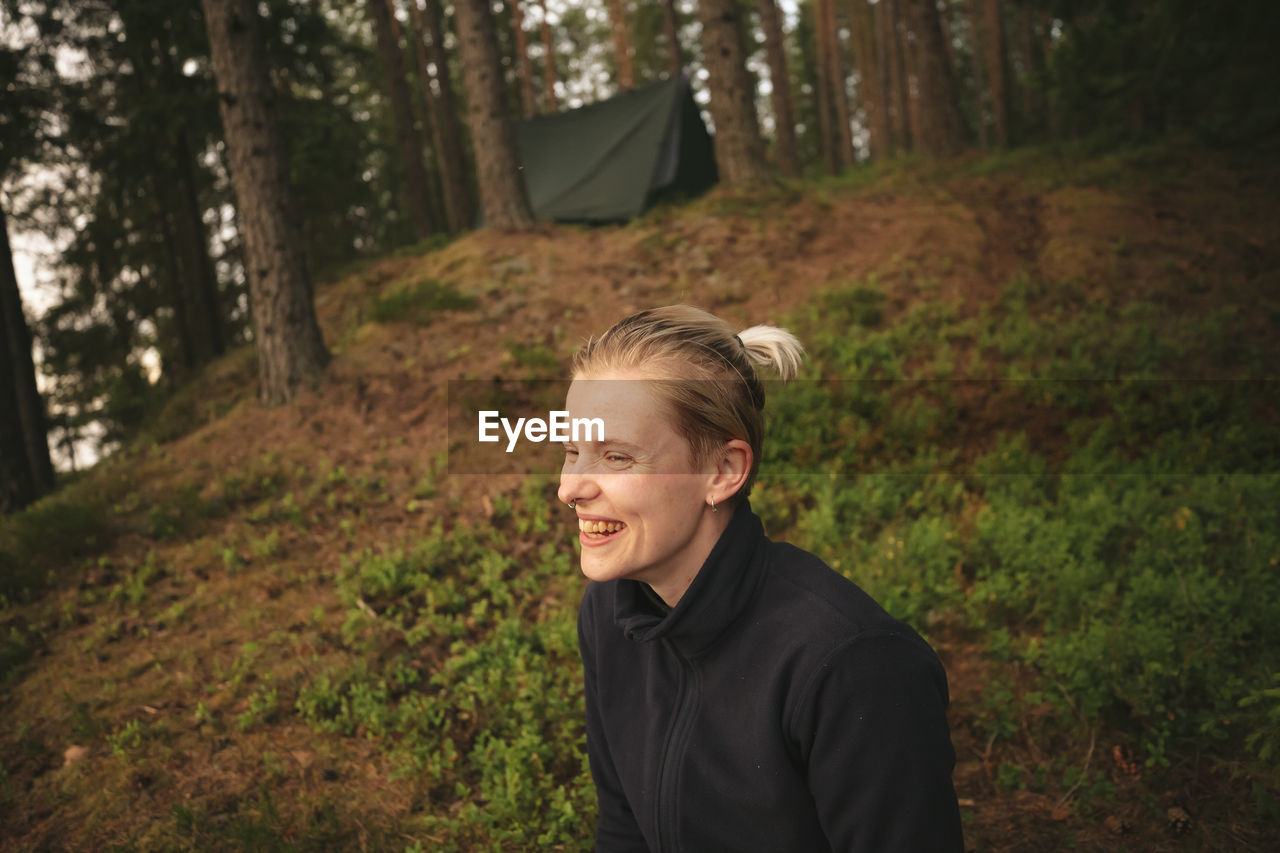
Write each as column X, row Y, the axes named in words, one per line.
column 615, row 444
column 611, row 444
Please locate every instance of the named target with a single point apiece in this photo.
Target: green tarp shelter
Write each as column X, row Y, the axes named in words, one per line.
column 608, row 161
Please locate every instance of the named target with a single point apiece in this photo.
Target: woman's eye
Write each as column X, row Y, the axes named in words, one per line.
column 570, row 453
column 617, row 459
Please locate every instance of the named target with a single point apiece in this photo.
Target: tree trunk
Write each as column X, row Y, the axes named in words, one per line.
column 739, row 150
column 1033, row 66
column 996, row 67
column 522, row 55
column 182, row 327
column 502, row 192
column 442, row 107
column 836, row 86
column 822, row 90
column 941, row 128
column 549, row 61
column 26, row 471
column 416, row 189
column 870, row 87
column 948, row 38
column 981, row 95
column 784, row 121
column 200, row 283
column 621, row 44
column 17, row 488
column 893, row 61
column 671, row 24
column 290, row 348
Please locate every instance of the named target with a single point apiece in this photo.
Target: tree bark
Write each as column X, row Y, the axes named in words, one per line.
column 836, row 86
column 940, row 131
column 1031, row 121
column 822, row 91
column 621, row 44
column 416, row 189
column 442, row 108
column 17, row 489
column 870, row 86
column 502, row 191
column 671, row 24
column 290, row 348
column 526, row 67
column 784, row 122
column 199, row 286
column 981, row 96
column 181, row 324
column 26, row 471
column 948, row 38
column 739, row 149
column 548, row 61
column 894, row 63
column 200, row 283
column 996, row 67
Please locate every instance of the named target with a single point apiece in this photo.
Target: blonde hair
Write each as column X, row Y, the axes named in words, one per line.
column 703, row 371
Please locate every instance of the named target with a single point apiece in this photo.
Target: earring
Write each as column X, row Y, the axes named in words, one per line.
column 714, row 508
column 572, row 504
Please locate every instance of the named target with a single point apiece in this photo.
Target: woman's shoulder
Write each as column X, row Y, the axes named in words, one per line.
column 823, row 601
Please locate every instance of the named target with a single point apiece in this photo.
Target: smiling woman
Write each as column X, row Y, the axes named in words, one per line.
column 740, row 694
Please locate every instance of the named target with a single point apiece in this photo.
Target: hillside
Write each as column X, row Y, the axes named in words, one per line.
column 293, row 629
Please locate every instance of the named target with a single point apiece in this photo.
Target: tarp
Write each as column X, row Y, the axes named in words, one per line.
column 608, row 161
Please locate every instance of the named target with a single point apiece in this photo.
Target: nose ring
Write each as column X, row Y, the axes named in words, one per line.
column 572, row 504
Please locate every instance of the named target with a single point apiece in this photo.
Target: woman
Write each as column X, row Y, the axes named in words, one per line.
column 740, row 694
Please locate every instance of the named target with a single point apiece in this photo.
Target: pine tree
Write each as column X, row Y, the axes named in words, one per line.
column 416, row 190
column 548, row 61
column 784, row 121
column 671, row 27
column 996, row 67
column 527, row 98
column 835, row 87
column 893, row 60
column 26, row 472
column 939, row 129
column 626, row 74
column 290, row 349
column 442, row 105
column 739, row 149
column 822, row 89
column 502, row 191
column 870, row 86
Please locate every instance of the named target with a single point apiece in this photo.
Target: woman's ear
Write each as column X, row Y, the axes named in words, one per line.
column 733, row 466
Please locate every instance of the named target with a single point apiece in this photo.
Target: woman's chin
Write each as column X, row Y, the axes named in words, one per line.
column 595, row 568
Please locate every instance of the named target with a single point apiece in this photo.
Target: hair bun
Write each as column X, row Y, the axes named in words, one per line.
column 770, row 346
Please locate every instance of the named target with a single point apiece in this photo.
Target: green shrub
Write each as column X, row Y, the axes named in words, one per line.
column 417, row 302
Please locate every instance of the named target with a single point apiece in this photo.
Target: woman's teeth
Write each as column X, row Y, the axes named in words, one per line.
column 600, row 528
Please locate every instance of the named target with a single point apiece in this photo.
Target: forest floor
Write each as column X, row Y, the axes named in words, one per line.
column 136, row 712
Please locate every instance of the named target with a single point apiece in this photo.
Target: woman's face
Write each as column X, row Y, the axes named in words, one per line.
column 642, row 503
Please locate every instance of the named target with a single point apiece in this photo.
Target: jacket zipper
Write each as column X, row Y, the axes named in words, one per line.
column 668, row 770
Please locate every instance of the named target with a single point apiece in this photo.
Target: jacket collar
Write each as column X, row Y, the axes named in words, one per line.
column 719, row 592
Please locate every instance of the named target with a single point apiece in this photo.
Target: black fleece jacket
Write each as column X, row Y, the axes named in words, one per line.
column 776, row 708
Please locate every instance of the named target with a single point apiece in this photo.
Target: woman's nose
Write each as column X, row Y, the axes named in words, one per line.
column 575, row 486
column 570, row 488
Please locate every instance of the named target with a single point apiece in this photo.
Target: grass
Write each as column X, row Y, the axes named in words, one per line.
column 418, row 302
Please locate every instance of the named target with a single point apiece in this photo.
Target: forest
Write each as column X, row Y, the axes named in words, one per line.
column 250, row 599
